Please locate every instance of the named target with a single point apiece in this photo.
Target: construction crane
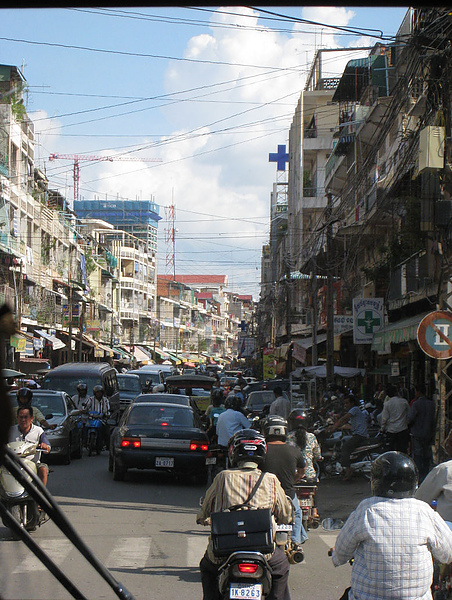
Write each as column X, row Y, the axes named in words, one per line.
column 78, row 157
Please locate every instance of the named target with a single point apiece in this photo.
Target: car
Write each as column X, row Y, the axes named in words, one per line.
column 151, row 377
column 256, row 401
column 159, row 436
column 267, row 384
column 186, row 384
column 59, row 409
column 165, row 370
column 171, row 398
column 129, row 388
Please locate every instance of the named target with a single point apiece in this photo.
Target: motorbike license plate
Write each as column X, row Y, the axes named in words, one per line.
column 211, row 460
column 246, row 590
column 284, row 527
column 164, row 462
column 305, row 501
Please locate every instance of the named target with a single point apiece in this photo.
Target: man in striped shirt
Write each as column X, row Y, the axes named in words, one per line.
column 233, row 486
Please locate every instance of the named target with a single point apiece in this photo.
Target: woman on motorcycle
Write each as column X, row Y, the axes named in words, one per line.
column 299, row 423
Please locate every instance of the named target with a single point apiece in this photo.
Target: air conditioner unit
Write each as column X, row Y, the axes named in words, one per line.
column 431, row 148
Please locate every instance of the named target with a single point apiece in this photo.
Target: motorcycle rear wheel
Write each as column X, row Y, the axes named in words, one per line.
column 91, row 443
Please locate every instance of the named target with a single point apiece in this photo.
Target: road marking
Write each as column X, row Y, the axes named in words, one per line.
column 196, row 546
column 129, row 553
column 56, row 549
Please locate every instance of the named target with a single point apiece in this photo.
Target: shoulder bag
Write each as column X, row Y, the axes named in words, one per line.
column 242, row 528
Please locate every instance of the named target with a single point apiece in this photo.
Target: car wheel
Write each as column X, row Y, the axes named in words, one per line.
column 119, row 471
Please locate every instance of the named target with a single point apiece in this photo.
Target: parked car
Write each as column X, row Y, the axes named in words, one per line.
column 148, row 379
column 161, row 437
column 65, row 378
column 256, row 401
column 59, row 409
column 129, row 388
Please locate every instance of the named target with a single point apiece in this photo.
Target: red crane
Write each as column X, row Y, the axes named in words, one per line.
column 78, row 157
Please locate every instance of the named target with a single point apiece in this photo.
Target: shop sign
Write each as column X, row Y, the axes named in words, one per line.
column 368, row 318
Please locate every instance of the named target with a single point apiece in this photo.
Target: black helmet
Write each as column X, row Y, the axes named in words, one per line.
column 98, row 388
column 275, row 426
column 233, row 402
column 299, row 417
column 247, row 445
column 24, row 394
column 82, row 387
column 393, row 475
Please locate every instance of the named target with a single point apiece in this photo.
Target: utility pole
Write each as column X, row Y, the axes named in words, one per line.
column 329, row 294
column 70, row 320
column 314, row 358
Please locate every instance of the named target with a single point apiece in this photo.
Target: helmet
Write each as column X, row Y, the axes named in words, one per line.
column 233, row 402
column 247, row 444
column 24, row 394
column 98, row 388
column 275, row 426
column 299, row 417
column 157, row 389
column 218, row 396
column 82, row 387
column 393, row 475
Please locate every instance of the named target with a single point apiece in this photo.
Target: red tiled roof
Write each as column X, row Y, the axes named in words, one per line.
column 245, row 298
column 218, row 279
column 205, row 296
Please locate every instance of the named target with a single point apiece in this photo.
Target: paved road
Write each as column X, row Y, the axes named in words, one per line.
column 144, row 532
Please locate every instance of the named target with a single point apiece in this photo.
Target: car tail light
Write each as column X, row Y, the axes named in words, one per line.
column 130, row 443
column 203, row 446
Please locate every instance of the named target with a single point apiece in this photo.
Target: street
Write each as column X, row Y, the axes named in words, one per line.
column 144, row 532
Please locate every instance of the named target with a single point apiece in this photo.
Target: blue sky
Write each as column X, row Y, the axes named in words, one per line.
column 209, row 92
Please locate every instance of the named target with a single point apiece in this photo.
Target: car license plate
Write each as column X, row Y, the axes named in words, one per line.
column 246, row 590
column 164, row 462
column 211, row 460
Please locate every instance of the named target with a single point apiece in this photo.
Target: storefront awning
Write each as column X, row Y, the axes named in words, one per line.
column 397, row 333
column 108, row 351
column 308, row 342
column 56, row 343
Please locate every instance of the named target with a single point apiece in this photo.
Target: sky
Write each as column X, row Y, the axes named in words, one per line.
column 190, row 102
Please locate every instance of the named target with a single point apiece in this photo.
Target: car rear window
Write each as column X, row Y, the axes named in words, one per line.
column 161, row 416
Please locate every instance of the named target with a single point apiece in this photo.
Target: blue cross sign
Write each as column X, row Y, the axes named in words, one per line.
column 280, row 157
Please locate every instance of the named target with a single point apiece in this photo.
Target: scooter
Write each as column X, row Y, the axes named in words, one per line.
column 13, row 494
column 306, row 498
column 216, row 461
column 245, row 575
column 94, row 433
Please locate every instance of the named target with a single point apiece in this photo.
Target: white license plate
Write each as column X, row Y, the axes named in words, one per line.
column 246, row 590
column 164, row 462
column 305, row 502
column 284, row 527
column 211, row 460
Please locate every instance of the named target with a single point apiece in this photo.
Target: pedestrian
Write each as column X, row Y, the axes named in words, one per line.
column 438, row 486
column 355, row 421
column 422, row 424
column 280, row 405
column 394, row 420
column 392, row 537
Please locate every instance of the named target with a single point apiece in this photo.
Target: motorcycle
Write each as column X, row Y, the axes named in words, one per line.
column 13, row 495
column 94, row 433
column 361, row 458
column 306, row 498
column 283, row 538
column 216, row 461
column 245, row 575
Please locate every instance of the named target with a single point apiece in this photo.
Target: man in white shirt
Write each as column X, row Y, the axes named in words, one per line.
column 28, row 431
column 438, row 486
column 394, row 420
column 230, row 421
column 281, row 405
column 392, row 536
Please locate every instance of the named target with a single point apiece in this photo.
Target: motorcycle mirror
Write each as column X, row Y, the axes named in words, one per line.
column 332, row 524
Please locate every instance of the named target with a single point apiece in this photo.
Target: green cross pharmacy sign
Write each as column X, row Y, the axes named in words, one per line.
column 368, row 318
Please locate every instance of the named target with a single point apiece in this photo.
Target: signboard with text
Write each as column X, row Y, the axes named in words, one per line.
column 368, row 318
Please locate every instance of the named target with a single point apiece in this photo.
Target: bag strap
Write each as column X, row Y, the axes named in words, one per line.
column 253, row 491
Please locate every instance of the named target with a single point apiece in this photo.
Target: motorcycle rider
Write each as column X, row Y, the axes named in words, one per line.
column 288, row 464
column 81, row 397
column 24, row 397
column 99, row 402
column 392, row 536
column 231, row 420
column 26, row 430
column 299, row 423
column 355, row 420
column 247, row 451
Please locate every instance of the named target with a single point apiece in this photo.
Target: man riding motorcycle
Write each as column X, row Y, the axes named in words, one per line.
column 247, row 451
column 98, row 402
column 24, row 397
column 81, row 397
column 392, row 536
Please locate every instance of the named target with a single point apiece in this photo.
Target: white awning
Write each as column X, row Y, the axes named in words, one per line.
column 56, row 343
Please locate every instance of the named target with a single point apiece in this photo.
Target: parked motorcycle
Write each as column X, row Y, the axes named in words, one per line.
column 94, row 433
column 361, row 458
column 283, row 539
column 13, row 494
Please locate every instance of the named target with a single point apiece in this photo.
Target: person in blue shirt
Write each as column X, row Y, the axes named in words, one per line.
column 231, row 420
column 355, row 421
